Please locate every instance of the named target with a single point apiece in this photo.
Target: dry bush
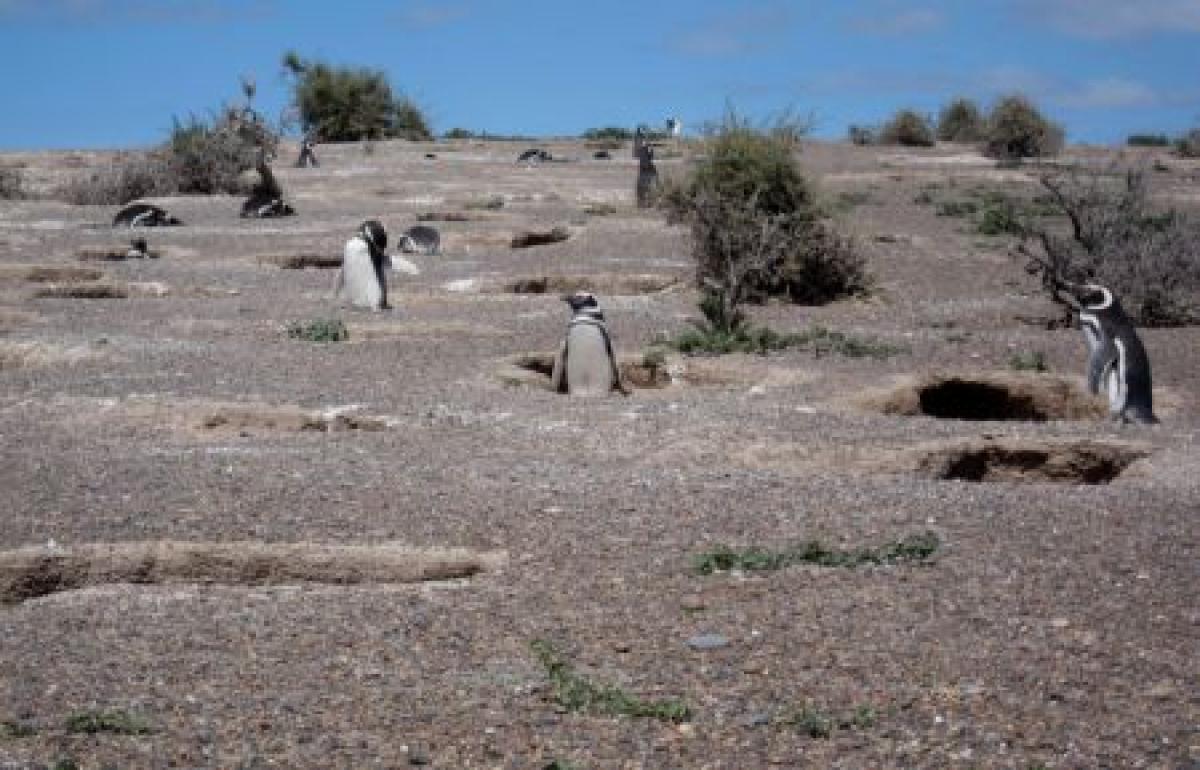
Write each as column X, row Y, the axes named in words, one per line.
column 907, row 128
column 126, row 178
column 961, row 121
column 1149, row 257
column 756, row 225
column 1017, row 130
column 1188, row 145
column 862, row 136
column 12, row 186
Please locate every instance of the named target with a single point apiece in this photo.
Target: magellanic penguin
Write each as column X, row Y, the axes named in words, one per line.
column 362, row 277
column 144, row 215
column 1117, row 360
column 585, row 364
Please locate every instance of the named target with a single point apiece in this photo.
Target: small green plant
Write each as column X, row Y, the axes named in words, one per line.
column 851, row 199
column 923, row 198
column 817, row 723
column 907, row 128
column 13, row 729
column 1028, row 361
column 319, row 330
column 116, row 722
column 918, row 548
column 957, row 208
column 822, row 341
column 1000, row 216
column 576, row 693
column 812, row 722
column 65, row 763
column 492, row 203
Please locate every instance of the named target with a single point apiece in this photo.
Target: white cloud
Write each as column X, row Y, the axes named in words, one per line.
column 132, row 11
column 426, row 14
column 736, row 33
column 914, row 21
column 1110, row 93
column 1111, row 19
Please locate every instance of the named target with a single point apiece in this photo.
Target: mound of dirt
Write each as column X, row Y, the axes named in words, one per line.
column 1016, row 460
column 29, row 573
column 536, row 368
column 987, row 396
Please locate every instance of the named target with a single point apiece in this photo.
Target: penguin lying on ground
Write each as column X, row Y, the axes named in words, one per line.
column 585, row 364
column 265, row 208
column 420, row 239
column 1117, row 360
column 144, row 215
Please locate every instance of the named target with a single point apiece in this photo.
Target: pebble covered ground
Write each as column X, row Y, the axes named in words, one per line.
column 1055, row 624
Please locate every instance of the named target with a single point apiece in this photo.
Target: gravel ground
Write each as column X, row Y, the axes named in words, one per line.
column 1056, row 625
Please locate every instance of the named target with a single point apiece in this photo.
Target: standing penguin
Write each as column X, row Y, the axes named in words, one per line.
column 647, row 178
column 1117, row 360
column 362, row 277
column 585, row 364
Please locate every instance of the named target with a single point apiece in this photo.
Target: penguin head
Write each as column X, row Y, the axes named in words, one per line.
column 373, row 233
column 1094, row 297
column 581, row 300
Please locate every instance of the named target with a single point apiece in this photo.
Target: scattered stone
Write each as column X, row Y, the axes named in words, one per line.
column 704, row 642
column 529, row 238
column 445, row 216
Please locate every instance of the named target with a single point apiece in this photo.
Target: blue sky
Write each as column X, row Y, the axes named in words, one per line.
column 112, row 73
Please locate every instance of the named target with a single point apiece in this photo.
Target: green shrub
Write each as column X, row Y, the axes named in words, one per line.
column 460, row 133
column 1001, row 215
column 1149, row 256
column 755, row 223
column 613, row 133
column 1188, row 145
column 1017, row 130
column 319, row 330
column 960, row 121
column 1148, row 140
column 342, row 104
column 907, row 128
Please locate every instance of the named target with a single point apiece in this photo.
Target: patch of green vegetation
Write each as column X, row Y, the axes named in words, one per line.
column 918, row 548
column 923, row 198
column 494, row 203
column 319, row 330
column 577, row 693
column 1028, row 361
column 725, row 330
column 851, row 199
column 13, row 729
column 957, row 208
column 1148, row 140
column 817, row 723
column 115, row 722
column 66, row 763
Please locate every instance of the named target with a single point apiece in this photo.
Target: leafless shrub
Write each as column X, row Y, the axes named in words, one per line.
column 12, row 186
column 1188, row 145
column 1148, row 256
column 126, row 178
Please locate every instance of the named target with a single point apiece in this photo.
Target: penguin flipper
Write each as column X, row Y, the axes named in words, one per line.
column 558, row 376
column 618, row 383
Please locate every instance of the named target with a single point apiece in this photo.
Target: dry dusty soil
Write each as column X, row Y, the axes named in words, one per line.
column 224, row 547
